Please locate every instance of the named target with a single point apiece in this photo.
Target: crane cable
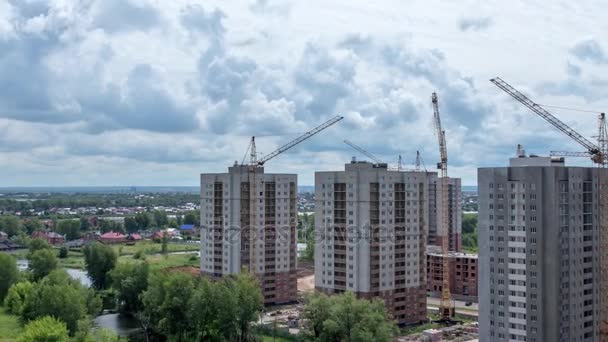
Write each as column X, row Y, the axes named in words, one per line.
column 573, row 109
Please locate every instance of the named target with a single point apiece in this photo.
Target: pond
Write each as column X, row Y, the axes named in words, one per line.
column 122, row 325
column 79, row 275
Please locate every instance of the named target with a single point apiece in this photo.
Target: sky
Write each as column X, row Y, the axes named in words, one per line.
column 155, row 92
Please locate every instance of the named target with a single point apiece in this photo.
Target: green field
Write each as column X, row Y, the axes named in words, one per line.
column 150, row 247
column 149, row 250
column 9, row 327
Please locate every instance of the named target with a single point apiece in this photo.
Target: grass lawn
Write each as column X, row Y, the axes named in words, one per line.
column 9, row 327
column 171, row 260
column 150, row 247
column 149, row 250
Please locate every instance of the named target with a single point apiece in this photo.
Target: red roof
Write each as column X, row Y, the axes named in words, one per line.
column 135, row 236
column 113, row 236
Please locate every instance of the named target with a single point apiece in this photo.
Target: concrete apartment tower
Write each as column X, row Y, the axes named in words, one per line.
column 371, row 226
column 454, row 215
column 539, row 251
column 248, row 220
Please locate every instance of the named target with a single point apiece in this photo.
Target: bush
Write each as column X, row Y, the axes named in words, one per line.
column 45, row 329
column 17, row 295
column 138, row 255
column 63, row 252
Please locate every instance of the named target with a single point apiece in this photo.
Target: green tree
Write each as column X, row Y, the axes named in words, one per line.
column 9, row 274
column 213, row 309
column 144, row 220
column 131, row 225
column 32, row 225
column 38, row 244
column 250, row 302
column 42, row 262
column 62, row 297
column 130, row 280
column 110, row 226
column 60, row 301
column 192, row 218
column 469, row 232
column 17, row 295
column 346, row 318
column 99, row 259
column 165, row 303
column 10, row 224
column 164, row 249
column 160, row 217
column 469, row 223
column 63, row 252
column 45, row 329
column 84, row 224
column 306, row 230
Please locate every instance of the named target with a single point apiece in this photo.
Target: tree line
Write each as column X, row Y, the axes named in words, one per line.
column 95, row 200
column 169, row 305
column 73, row 228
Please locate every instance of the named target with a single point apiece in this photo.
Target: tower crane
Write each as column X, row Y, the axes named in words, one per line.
column 252, row 167
column 364, row 152
column 253, row 154
column 377, row 160
column 602, row 142
column 598, row 154
column 446, row 305
column 419, row 163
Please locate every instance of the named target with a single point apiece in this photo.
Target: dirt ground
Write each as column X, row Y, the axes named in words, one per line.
column 305, row 272
column 306, row 277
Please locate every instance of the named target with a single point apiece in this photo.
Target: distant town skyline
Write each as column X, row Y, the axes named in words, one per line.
column 126, row 92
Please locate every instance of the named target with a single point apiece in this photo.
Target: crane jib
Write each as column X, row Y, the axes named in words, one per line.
column 543, row 113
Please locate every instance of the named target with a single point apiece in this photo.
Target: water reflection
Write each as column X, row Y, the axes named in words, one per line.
column 79, row 275
column 122, row 325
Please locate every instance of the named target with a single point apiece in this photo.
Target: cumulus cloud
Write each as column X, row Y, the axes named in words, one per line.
column 108, row 88
column 589, row 50
column 475, row 24
column 125, row 15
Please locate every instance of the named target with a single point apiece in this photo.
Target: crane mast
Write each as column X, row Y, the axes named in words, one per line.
column 446, row 305
column 598, row 153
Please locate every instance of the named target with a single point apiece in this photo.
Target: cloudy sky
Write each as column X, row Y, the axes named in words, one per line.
column 154, row 92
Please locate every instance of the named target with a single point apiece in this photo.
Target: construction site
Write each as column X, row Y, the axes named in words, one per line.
column 393, row 232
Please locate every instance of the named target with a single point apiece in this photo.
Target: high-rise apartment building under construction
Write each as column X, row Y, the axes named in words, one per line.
column 371, row 225
column 539, row 251
column 248, row 220
column 454, row 217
